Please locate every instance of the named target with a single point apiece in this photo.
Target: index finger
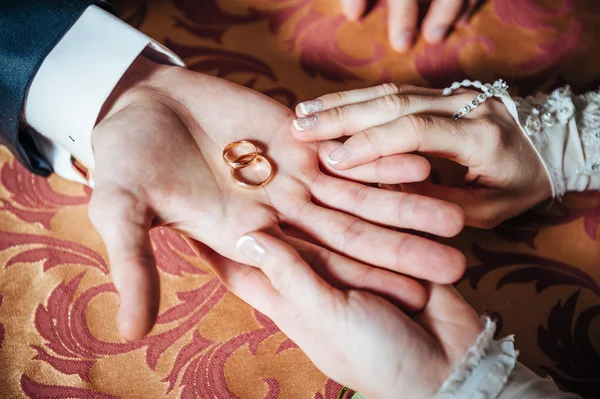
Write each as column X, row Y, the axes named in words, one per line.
column 350, row 119
column 340, row 98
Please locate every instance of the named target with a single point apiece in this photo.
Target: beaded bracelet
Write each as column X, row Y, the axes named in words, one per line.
column 499, row 87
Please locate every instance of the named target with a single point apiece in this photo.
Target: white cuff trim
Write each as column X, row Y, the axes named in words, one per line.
column 483, row 370
column 76, row 78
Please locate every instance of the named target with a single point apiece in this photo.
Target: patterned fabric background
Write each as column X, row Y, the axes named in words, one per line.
column 539, row 274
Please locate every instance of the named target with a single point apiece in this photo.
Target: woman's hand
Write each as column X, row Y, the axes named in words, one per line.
column 158, row 152
column 356, row 338
column 403, row 18
column 505, row 175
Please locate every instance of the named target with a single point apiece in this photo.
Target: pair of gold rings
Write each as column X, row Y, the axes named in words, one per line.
column 249, row 169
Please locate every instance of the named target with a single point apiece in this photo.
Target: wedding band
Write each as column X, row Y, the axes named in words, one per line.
column 244, row 158
column 257, row 160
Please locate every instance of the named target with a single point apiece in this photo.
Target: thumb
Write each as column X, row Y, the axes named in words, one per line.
column 288, row 273
column 354, row 9
column 450, row 319
column 123, row 222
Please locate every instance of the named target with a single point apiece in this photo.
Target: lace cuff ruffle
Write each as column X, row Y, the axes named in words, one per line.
column 483, row 370
column 565, row 131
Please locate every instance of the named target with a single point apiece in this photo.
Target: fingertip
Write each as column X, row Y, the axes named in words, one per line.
column 353, row 9
column 435, row 35
column 403, row 18
column 336, row 164
column 461, row 219
column 454, row 267
column 264, row 243
column 417, row 300
column 310, row 107
column 299, row 134
column 455, row 220
column 460, row 267
column 304, row 124
column 326, row 149
column 401, row 41
column 139, row 300
column 135, row 324
column 422, row 168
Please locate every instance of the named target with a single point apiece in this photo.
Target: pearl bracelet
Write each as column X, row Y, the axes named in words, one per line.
column 499, row 87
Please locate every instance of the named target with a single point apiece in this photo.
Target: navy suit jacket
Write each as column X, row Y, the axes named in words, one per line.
column 29, row 30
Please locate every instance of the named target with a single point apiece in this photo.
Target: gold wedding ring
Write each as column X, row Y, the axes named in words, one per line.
column 249, row 169
column 258, row 179
column 239, row 154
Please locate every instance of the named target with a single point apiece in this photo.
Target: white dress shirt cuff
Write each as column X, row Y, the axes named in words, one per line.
column 73, row 83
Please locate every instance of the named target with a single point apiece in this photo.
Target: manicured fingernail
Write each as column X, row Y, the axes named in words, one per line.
column 438, row 34
column 248, row 247
column 311, row 107
column 338, row 155
column 402, row 41
column 306, row 123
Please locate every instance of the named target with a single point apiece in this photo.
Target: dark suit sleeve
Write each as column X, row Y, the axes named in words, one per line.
column 29, row 30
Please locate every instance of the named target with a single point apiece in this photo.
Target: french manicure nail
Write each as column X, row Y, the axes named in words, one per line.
column 338, row 155
column 403, row 41
column 438, row 34
column 311, row 107
column 248, row 247
column 306, row 123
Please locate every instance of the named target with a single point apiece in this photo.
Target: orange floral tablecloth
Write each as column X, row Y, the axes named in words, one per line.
column 539, row 274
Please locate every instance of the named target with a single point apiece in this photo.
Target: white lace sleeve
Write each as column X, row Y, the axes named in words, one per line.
column 565, row 131
column 483, row 370
column 489, row 370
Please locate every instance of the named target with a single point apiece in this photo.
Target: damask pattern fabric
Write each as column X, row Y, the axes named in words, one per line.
column 538, row 276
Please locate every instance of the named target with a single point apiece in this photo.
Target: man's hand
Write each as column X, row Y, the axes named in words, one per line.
column 158, row 162
column 356, row 338
column 403, row 18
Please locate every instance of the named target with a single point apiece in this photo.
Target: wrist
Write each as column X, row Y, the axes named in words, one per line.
column 143, row 76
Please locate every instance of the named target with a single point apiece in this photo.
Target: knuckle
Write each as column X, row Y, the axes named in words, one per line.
column 397, row 105
column 406, row 89
column 380, row 171
column 387, row 89
column 402, row 248
column 142, row 260
column 405, row 205
column 353, row 231
column 341, row 97
column 365, row 275
column 338, row 115
column 281, row 279
column 360, row 194
column 469, row 94
column 415, row 126
column 368, row 139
